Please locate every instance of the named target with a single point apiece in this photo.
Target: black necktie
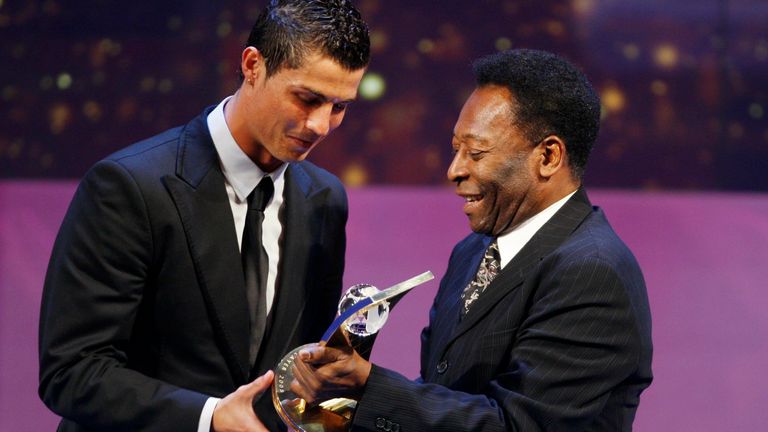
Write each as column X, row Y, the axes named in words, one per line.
column 486, row 272
column 255, row 263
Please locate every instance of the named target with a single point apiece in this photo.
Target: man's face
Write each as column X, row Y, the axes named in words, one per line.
column 289, row 113
column 494, row 165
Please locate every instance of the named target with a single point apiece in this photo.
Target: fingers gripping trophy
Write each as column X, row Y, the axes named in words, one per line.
column 363, row 310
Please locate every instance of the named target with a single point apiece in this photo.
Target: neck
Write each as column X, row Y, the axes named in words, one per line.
column 235, row 116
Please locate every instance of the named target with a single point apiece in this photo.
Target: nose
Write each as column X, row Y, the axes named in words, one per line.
column 319, row 120
column 457, row 171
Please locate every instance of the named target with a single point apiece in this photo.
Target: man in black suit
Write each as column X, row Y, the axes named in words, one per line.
column 149, row 321
column 541, row 321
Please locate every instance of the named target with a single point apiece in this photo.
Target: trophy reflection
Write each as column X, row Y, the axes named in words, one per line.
column 363, row 310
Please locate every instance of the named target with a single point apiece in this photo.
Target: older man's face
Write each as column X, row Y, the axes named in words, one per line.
column 494, row 166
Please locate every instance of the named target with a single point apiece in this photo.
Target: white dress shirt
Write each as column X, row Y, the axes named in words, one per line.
column 512, row 242
column 241, row 176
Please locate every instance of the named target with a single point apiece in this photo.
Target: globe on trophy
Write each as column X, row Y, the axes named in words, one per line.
column 363, row 310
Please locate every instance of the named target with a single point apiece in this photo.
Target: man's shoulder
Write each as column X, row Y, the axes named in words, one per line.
column 170, row 136
column 595, row 241
column 597, row 231
column 159, row 153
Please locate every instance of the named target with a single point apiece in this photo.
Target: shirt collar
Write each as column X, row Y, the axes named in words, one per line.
column 512, row 242
column 239, row 170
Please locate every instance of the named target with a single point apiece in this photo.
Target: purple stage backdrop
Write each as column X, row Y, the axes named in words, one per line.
column 703, row 256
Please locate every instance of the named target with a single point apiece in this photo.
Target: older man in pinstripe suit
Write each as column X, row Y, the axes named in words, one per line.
column 541, row 321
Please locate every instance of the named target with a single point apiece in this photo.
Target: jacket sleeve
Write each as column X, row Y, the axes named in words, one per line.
column 97, row 278
column 577, row 341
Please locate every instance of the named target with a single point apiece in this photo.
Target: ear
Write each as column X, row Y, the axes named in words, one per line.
column 553, row 156
column 252, row 65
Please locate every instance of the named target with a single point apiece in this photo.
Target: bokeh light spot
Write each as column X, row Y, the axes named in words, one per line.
column 583, row 7
column 354, row 175
column 59, row 117
column 147, row 84
column 659, row 88
column 165, row 85
column 108, row 46
column 666, row 56
column 735, row 130
column 64, row 81
column 92, row 111
column 375, row 135
column 372, row 86
column 613, row 99
column 503, row 44
column 426, row 46
column 631, row 51
column 379, row 41
column 224, row 29
column 756, row 111
column 555, row 28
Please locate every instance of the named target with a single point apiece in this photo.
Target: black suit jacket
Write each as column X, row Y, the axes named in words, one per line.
column 144, row 312
column 560, row 340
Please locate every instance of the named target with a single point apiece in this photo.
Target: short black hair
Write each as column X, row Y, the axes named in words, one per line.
column 289, row 30
column 551, row 97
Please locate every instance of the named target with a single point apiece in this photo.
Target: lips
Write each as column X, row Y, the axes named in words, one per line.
column 471, row 201
column 305, row 144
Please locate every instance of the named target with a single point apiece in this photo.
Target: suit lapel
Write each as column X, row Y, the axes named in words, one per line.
column 549, row 237
column 449, row 320
column 198, row 189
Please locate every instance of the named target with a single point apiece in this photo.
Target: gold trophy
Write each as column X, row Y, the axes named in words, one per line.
column 363, row 310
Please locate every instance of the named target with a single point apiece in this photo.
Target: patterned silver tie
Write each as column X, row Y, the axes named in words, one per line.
column 489, row 268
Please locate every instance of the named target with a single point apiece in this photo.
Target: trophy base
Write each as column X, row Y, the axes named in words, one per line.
column 333, row 415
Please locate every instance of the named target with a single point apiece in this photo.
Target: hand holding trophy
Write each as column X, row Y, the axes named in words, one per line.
column 363, row 310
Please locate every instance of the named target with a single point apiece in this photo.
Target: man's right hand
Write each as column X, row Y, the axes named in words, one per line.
column 235, row 412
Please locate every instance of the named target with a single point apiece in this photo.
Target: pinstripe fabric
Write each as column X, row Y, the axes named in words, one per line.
column 560, row 340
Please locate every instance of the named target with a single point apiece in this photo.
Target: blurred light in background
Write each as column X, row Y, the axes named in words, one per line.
column 372, row 86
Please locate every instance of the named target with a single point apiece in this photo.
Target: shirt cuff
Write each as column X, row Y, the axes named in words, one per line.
column 206, row 417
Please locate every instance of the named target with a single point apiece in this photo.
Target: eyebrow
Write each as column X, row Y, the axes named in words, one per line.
column 325, row 98
column 471, row 136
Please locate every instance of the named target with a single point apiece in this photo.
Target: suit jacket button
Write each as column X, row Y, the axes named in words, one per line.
column 442, row 367
column 380, row 422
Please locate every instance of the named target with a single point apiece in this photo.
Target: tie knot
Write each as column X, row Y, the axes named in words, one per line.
column 493, row 250
column 261, row 195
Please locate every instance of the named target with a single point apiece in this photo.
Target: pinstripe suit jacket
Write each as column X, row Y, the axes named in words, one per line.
column 560, row 340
